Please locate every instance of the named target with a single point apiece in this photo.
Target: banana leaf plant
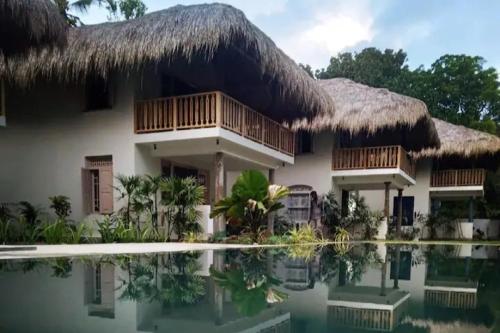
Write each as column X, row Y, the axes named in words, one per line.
column 252, row 199
column 251, row 295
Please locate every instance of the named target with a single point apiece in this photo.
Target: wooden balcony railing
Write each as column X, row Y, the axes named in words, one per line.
column 212, row 109
column 384, row 157
column 459, row 177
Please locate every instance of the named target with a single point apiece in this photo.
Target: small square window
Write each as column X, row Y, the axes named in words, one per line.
column 98, row 94
column 303, row 143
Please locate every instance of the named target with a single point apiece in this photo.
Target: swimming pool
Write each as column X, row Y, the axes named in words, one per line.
column 343, row 288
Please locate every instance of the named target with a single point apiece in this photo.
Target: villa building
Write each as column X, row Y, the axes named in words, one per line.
column 188, row 91
column 200, row 91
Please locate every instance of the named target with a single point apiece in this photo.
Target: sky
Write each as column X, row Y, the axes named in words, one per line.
column 311, row 31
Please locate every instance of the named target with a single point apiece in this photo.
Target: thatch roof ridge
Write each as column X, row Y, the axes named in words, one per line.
column 361, row 108
column 163, row 35
column 30, row 23
column 460, row 141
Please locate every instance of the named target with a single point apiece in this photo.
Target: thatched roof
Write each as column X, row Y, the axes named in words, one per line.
column 29, row 23
column 363, row 109
column 211, row 44
column 462, row 142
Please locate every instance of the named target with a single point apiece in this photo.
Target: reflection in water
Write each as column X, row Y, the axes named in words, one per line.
column 362, row 288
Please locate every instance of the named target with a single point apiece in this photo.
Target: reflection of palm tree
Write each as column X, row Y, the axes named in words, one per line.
column 62, row 267
column 141, row 283
column 180, row 283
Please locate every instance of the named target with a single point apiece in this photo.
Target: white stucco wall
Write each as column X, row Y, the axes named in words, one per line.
column 375, row 198
column 48, row 137
column 313, row 169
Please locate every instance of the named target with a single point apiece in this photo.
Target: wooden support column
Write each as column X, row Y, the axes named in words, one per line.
column 400, row 213
column 218, row 292
column 219, row 221
column 471, row 209
column 386, row 201
column 270, row 217
column 383, row 278
column 397, row 263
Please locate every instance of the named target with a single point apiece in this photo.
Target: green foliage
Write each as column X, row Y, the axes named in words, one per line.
column 57, row 232
column 456, row 88
column 332, row 212
column 61, row 206
column 30, row 213
column 250, row 294
column 132, row 8
column 252, row 199
column 181, row 197
column 128, row 187
column 342, row 236
column 304, row 234
column 127, row 8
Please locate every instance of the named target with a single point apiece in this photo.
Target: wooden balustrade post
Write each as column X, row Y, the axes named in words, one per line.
column 218, row 109
column 174, row 110
column 262, row 134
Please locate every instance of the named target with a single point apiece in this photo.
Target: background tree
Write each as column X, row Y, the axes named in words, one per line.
column 126, row 8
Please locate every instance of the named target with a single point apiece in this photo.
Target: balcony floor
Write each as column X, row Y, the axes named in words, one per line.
column 456, row 192
column 372, row 179
column 208, row 141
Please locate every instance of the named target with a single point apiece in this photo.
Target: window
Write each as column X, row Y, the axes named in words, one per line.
column 97, row 185
column 299, row 203
column 408, row 207
column 2, row 103
column 98, row 94
column 303, row 142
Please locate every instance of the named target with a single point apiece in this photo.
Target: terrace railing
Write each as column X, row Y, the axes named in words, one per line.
column 384, row 157
column 458, row 177
column 212, row 109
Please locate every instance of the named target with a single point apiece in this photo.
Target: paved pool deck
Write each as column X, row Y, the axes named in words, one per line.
column 48, row 251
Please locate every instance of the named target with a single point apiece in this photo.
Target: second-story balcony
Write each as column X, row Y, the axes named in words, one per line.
column 212, row 110
column 457, row 182
column 371, row 167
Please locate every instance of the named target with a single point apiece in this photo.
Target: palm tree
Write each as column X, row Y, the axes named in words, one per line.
column 251, row 201
column 128, row 189
column 182, row 196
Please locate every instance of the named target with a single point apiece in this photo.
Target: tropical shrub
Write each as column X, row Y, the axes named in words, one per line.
column 181, row 198
column 252, row 199
column 128, row 186
column 332, row 212
column 61, row 206
column 303, row 234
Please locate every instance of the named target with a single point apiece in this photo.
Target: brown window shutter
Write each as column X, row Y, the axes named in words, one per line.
column 106, row 189
column 87, row 191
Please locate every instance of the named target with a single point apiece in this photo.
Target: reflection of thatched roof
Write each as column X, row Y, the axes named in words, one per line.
column 212, row 45
column 29, row 23
column 363, row 109
column 461, row 141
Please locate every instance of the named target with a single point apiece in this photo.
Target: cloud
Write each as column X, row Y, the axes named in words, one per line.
column 407, row 35
column 331, row 31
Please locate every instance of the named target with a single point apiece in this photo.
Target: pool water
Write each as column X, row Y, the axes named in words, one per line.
column 347, row 288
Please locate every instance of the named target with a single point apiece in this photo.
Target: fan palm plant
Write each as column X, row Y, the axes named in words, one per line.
column 128, row 189
column 182, row 196
column 252, row 199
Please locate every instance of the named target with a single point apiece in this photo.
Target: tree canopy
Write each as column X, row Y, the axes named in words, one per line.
column 127, row 9
column 456, row 88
